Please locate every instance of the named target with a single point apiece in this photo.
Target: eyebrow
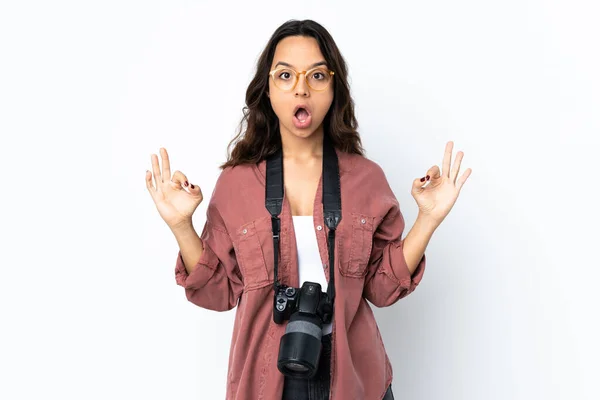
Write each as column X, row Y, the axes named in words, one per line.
column 311, row 66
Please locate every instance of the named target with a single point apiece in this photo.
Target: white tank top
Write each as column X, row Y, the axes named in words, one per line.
column 310, row 267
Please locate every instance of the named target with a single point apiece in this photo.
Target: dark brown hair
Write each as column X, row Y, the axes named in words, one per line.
column 261, row 137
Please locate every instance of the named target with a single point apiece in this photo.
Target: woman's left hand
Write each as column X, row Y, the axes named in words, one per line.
column 437, row 198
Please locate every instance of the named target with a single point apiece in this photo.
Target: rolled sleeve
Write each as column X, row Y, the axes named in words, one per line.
column 388, row 278
column 215, row 282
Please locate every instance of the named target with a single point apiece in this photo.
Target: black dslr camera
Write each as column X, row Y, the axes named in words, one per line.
column 307, row 309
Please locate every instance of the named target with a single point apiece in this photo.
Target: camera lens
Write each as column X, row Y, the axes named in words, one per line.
column 296, row 367
column 300, row 346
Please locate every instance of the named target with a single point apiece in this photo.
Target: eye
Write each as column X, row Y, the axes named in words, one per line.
column 318, row 75
column 285, row 75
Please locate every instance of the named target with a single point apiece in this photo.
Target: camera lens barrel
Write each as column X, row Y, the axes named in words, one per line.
column 299, row 355
column 300, row 346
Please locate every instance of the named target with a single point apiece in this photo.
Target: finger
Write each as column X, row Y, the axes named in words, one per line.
column 166, row 165
column 418, row 185
column 149, row 185
column 156, row 171
column 195, row 191
column 433, row 172
column 447, row 158
column 456, row 166
column 179, row 180
column 461, row 181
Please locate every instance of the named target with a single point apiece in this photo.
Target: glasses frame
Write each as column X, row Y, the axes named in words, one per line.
column 297, row 78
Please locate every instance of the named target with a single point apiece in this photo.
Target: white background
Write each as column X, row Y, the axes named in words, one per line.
column 89, row 307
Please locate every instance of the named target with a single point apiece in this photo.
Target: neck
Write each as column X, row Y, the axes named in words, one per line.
column 302, row 149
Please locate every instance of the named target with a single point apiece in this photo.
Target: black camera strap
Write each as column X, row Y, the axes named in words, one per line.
column 332, row 203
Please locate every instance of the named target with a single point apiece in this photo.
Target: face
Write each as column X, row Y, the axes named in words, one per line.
column 301, row 54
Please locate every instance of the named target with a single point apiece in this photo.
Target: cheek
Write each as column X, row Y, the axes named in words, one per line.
column 325, row 103
column 278, row 104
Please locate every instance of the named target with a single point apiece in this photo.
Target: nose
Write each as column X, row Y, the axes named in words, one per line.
column 301, row 86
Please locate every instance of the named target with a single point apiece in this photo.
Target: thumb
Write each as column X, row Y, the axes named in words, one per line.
column 195, row 190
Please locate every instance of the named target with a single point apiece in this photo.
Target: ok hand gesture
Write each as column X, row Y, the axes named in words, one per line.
column 437, row 199
column 175, row 205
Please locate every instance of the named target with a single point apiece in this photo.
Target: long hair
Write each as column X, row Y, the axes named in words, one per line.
column 261, row 138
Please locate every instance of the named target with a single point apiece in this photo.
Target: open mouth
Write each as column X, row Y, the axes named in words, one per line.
column 302, row 114
column 302, row 117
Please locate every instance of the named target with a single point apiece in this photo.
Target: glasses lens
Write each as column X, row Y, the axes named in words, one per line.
column 284, row 78
column 318, row 78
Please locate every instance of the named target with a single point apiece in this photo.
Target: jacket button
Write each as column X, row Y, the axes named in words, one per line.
column 363, row 221
column 245, row 231
column 319, row 227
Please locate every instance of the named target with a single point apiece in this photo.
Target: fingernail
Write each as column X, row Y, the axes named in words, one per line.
column 427, row 177
column 192, row 186
column 185, row 183
column 422, row 179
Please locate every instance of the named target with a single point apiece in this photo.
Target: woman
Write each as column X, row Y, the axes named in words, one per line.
column 298, row 98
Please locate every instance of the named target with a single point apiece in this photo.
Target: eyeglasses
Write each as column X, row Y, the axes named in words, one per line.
column 286, row 78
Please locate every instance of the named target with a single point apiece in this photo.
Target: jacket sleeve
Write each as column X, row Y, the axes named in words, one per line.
column 216, row 283
column 388, row 278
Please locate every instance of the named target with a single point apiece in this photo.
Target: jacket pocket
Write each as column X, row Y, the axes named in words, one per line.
column 357, row 244
column 252, row 238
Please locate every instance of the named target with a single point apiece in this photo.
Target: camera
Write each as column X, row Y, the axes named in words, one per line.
column 307, row 309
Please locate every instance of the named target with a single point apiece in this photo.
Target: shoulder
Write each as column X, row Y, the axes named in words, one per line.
column 234, row 193
column 367, row 170
column 366, row 164
column 232, row 175
column 369, row 187
column 231, row 179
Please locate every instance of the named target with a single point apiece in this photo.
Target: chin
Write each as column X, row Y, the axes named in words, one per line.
column 305, row 132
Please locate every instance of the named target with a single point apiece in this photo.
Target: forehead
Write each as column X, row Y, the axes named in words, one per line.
column 299, row 51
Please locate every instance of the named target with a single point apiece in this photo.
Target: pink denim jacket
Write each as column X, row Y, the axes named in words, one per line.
column 236, row 269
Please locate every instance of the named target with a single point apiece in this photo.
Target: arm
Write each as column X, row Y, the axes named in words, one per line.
column 206, row 266
column 190, row 246
column 417, row 239
column 396, row 265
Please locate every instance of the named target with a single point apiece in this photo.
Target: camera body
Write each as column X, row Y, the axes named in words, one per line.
column 308, row 300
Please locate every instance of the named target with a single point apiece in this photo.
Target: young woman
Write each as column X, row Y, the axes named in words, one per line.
column 298, row 99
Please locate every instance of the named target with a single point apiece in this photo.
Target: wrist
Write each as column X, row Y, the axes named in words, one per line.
column 427, row 222
column 183, row 228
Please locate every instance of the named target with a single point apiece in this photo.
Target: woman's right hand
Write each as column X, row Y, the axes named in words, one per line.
column 175, row 205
